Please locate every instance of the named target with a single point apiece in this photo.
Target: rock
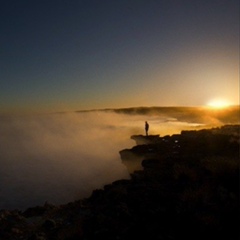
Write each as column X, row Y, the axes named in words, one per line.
column 39, row 236
column 49, row 224
column 151, row 163
column 34, row 211
column 141, row 139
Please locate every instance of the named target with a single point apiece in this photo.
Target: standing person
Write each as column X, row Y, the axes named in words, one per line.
column 146, row 128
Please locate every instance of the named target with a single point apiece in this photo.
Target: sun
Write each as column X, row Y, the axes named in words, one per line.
column 219, row 103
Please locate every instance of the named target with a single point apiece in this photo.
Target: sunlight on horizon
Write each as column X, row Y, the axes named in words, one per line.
column 219, row 103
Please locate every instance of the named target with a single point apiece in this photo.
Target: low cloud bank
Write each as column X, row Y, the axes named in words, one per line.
column 57, row 158
column 63, row 157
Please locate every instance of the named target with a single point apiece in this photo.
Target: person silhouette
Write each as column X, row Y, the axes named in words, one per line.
column 146, row 128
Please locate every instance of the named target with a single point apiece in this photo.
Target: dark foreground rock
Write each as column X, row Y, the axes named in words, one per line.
column 185, row 192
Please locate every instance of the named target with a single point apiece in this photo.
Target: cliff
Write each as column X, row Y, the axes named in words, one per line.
column 188, row 187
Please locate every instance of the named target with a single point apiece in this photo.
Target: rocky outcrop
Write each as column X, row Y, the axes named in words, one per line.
column 191, row 194
column 215, row 141
column 141, row 139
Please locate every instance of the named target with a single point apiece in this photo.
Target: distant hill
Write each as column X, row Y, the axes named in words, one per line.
column 230, row 115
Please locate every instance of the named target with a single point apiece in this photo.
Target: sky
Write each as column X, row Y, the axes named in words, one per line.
column 91, row 54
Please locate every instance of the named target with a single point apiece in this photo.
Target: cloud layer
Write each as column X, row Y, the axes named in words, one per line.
column 57, row 158
column 62, row 157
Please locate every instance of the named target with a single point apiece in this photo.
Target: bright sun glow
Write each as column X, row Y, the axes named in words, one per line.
column 218, row 104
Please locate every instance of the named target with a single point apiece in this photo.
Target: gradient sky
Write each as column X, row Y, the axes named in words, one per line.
column 86, row 54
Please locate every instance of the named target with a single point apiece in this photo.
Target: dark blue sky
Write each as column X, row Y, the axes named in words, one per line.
column 72, row 55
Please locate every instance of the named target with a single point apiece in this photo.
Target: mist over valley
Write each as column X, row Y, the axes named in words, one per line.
column 59, row 158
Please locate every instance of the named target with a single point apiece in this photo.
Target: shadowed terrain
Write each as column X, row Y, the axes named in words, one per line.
column 188, row 188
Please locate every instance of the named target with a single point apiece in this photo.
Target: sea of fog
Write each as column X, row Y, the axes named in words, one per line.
column 58, row 158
